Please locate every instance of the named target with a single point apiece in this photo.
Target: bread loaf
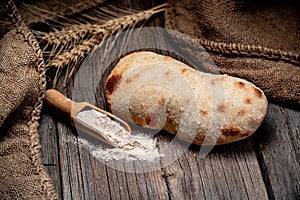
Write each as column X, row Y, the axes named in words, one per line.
column 160, row 92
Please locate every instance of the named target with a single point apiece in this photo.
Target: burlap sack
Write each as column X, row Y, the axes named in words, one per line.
column 22, row 84
column 255, row 40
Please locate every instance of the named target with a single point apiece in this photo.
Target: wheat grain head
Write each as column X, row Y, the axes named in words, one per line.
column 79, row 40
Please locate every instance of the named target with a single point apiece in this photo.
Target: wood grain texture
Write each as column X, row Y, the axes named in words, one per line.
column 48, row 139
column 279, row 147
column 50, row 149
column 265, row 166
column 228, row 172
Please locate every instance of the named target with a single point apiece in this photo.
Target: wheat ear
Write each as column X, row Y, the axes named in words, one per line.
column 98, row 34
column 76, row 32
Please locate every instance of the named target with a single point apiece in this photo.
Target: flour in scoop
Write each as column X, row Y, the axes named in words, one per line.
column 137, row 146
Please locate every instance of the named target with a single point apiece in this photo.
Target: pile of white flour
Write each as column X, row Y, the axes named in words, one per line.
column 136, row 146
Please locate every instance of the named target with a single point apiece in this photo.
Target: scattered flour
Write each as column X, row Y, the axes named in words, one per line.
column 136, row 146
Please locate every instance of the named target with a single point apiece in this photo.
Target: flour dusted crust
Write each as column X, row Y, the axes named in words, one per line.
column 159, row 92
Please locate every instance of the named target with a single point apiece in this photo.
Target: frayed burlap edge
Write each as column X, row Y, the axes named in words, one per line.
column 33, row 123
column 236, row 49
column 35, row 147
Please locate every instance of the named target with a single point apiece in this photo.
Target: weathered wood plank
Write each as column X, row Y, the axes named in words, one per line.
column 49, row 148
column 94, row 176
column 279, row 143
column 48, row 140
column 228, row 172
column 72, row 186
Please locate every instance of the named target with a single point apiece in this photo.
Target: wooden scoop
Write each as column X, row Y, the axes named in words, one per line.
column 70, row 109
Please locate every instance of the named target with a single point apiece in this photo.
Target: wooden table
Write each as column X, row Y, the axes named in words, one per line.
column 265, row 166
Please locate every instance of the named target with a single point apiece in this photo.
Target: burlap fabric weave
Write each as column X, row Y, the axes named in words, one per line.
column 22, row 84
column 255, row 40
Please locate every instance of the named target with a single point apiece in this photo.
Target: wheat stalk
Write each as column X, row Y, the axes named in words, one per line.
column 74, row 54
column 82, row 39
column 76, row 32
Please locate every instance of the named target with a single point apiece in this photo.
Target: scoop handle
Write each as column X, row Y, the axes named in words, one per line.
column 59, row 102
